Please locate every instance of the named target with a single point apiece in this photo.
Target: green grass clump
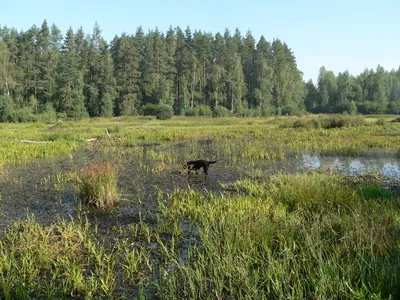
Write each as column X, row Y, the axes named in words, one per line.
column 375, row 191
column 98, row 185
column 62, row 260
column 326, row 123
column 299, row 236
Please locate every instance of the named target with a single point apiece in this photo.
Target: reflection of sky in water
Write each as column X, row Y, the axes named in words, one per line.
column 387, row 166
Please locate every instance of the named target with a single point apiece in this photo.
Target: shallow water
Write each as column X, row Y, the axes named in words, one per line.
column 386, row 165
column 22, row 189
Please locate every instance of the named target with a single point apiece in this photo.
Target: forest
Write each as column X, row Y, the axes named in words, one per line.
column 44, row 74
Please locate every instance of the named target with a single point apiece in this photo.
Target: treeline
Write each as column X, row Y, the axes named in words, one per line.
column 371, row 92
column 43, row 73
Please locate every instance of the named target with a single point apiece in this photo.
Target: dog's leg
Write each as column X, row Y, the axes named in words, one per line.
column 205, row 170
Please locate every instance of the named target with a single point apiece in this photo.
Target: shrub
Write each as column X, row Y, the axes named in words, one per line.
column 161, row 111
column 221, row 111
column 267, row 111
column 204, row 111
column 165, row 112
column 381, row 122
column 327, row 123
column 200, row 110
column 62, row 116
column 394, row 107
column 7, row 111
column 370, row 107
column 98, row 185
column 150, row 109
column 250, row 112
column 48, row 114
column 191, row 112
column 396, row 120
column 289, row 110
column 25, row 114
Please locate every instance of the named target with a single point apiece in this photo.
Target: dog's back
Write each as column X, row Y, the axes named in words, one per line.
column 197, row 164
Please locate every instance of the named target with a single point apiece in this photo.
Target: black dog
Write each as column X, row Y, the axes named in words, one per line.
column 197, row 164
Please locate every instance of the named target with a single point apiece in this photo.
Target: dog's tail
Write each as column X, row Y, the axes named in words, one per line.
column 212, row 162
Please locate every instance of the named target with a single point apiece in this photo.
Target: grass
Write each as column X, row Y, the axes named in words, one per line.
column 61, row 260
column 267, row 235
column 268, row 138
column 319, row 241
column 98, row 185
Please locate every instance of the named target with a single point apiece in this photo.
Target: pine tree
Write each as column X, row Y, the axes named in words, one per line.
column 126, row 61
column 218, row 78
column 287, row 85
column 48, row 57
column 99, row 80
column 183, row 69
column 170, row 49
column 155, row 84
column 236, row 85
column 262, row 75
column 203, row 50
column 250, row 69
column 29, row 64
column 70, row 84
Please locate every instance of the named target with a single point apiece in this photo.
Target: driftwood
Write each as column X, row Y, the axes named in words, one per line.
column 32, row 142
column 108, row 134
column 44, row 142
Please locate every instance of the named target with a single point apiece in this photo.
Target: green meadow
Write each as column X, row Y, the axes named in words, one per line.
column 102, row 208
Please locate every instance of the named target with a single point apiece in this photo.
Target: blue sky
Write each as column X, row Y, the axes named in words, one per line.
column 340, row 35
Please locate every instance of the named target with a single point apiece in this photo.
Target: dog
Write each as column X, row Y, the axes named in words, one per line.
column 197, row 164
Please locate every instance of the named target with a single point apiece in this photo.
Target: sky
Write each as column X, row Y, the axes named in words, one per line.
column 339, row 34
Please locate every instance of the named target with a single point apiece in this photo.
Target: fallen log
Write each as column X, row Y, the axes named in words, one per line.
column 32, row 142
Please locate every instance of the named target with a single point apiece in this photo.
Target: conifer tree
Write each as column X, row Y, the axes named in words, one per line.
column 70, row 84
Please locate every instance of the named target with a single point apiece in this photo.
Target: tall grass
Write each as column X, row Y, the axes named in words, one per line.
column 98, row 185
column 300, row 236
column 49, row 262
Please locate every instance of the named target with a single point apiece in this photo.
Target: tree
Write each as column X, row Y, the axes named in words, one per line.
column 29, row 63
column 126, row 71
column 70, row 84
column 261, row 75
column 327, row 89
column 4, row 68
column 7, row 111
column 203, row 51
column 183, row 65
column 236, row 85
column 311, row 100
column 379, row 93
column 345, row 91
column 48, row 47
column 99, row 80
column 156, row 85
column 14, row 75
column 287, row 85
column 255, row 63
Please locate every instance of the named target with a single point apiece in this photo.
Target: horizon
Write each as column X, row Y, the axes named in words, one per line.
column 351, row 37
